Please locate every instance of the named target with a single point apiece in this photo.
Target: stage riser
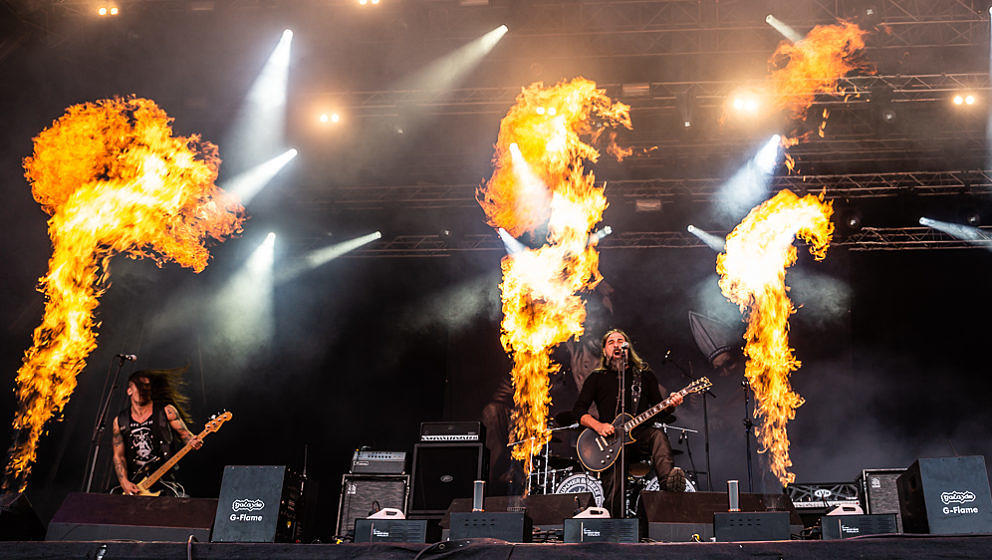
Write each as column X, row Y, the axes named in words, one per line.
column 976, row 548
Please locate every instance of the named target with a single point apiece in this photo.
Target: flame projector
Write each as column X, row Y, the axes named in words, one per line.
column 540, row 184
column 114, row 180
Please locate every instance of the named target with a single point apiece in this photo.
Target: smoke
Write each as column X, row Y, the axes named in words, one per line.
column 824, row 300
column 457, row 306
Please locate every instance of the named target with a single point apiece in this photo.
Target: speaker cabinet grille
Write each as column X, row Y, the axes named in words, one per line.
column 360, row 493
column 443, row 472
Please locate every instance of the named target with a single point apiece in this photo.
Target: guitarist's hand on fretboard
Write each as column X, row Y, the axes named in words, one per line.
column 675, row 399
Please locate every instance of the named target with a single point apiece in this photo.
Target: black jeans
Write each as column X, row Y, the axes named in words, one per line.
column 651, row 442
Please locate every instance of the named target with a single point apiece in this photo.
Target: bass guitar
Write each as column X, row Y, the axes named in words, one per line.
column 598, row 453
column 146, row 482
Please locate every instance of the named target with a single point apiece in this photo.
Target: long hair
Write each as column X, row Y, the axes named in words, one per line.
column 167, row 387
column 635, row 360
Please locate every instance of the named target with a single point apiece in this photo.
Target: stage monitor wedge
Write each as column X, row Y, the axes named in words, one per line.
column 98, row 517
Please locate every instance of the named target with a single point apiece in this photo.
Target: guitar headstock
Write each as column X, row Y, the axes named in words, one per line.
column 698, row 386
column 216, row 421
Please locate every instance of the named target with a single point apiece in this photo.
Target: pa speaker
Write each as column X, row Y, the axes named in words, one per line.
column 880, row 492
column 391, row 530
column 601, row 530
column 363, row 494
column 100, row 517
column 258, row 504
column 443, row 472
column 947, row 496
column 543, row 509
column 18, row 521
column 509, row 526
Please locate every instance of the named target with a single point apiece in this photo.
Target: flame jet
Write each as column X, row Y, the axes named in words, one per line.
column 550, row 130
column 114, row 180
column 752, row 275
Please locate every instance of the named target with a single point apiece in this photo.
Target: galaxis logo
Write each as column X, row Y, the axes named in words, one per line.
column 957, row 497
column 247, row 505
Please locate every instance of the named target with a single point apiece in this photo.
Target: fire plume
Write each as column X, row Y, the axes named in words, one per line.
column 114, row 180
column 752, row 275
column 814, row 65
column 540, row 180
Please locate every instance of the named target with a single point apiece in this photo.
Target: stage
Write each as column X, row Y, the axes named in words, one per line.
column 902, row 546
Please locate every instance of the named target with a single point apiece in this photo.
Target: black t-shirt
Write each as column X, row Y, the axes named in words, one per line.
column 601, row 388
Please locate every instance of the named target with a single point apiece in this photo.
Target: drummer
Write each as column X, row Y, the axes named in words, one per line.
column 602, row 388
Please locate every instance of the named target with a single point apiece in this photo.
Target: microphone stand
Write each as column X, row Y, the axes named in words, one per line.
column 706, row 417
column 621, row 475
column 747, row 430
column 101, row 420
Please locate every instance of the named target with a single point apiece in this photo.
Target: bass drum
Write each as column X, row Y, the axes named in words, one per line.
column 583, row 482
column 653, row 485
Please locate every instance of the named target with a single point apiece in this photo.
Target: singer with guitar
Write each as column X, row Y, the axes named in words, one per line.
column 602, row 388
column 145, row 430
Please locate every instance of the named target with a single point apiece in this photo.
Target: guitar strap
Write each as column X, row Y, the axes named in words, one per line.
column 635, row 391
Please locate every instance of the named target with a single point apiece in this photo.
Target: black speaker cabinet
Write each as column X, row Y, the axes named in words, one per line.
column 601, row 530
column 443, row 472
column 544, row 509
column 18, row 520
column 847, row 526
column 509, row 526
column 100, row 517
column 391, row 530
column 676, row 516
column 361, row 493
column 880, row 493
column 946, row 496
column 258, row 504
column 734, row 526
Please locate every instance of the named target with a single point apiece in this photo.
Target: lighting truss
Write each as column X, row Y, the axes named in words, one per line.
column 866, row 239
column 850, row 186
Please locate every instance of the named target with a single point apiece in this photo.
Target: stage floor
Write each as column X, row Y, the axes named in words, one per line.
column 924, row 546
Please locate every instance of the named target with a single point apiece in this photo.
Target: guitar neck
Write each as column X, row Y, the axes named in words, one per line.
column 166, row 466
column 643, row 417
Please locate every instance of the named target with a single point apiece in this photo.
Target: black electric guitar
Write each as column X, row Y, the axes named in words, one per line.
column 598, row 453
column 145, row 479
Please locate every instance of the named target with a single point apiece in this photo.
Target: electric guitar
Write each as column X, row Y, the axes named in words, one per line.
column 598, row 453
column 148, row 481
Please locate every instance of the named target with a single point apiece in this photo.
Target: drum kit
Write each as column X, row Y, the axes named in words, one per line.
column 555, row 473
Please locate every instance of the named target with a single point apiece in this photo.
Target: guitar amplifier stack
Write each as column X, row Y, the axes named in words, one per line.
column 377, row 480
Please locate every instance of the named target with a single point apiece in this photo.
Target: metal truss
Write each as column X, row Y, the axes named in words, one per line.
column 866, row 239
column 664, row 95
column 845, row 186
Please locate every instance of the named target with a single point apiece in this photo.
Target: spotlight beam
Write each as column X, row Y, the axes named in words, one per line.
column 714, row 242
column 510, row 243
column 749, row 185
column 960, row 231
column 248, row 184
column 783, row 28
column 319, row 257
column 258, row 127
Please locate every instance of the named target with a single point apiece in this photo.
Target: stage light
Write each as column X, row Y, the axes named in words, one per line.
column 714, row 242
column 958, row 100
column 102, row 11
column 746, row 103
column 248, row 184
column 510, row 243
column 259, row 126
column 749, row 185
column 540, row 110
column 329, row 118
column 786, row 31
column 114, row 11
column 597, row 236
column 325, row 255
column 969, row 100
column 960, row 231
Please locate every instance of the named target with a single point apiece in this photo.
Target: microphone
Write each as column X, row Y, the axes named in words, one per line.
column 127, row 357
column 625, row 346
column 668, row 356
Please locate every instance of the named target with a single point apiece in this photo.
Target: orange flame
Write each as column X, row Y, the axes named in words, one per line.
column 814, row 65
column 752, row 275
column 539, row 180
column 114, row 180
